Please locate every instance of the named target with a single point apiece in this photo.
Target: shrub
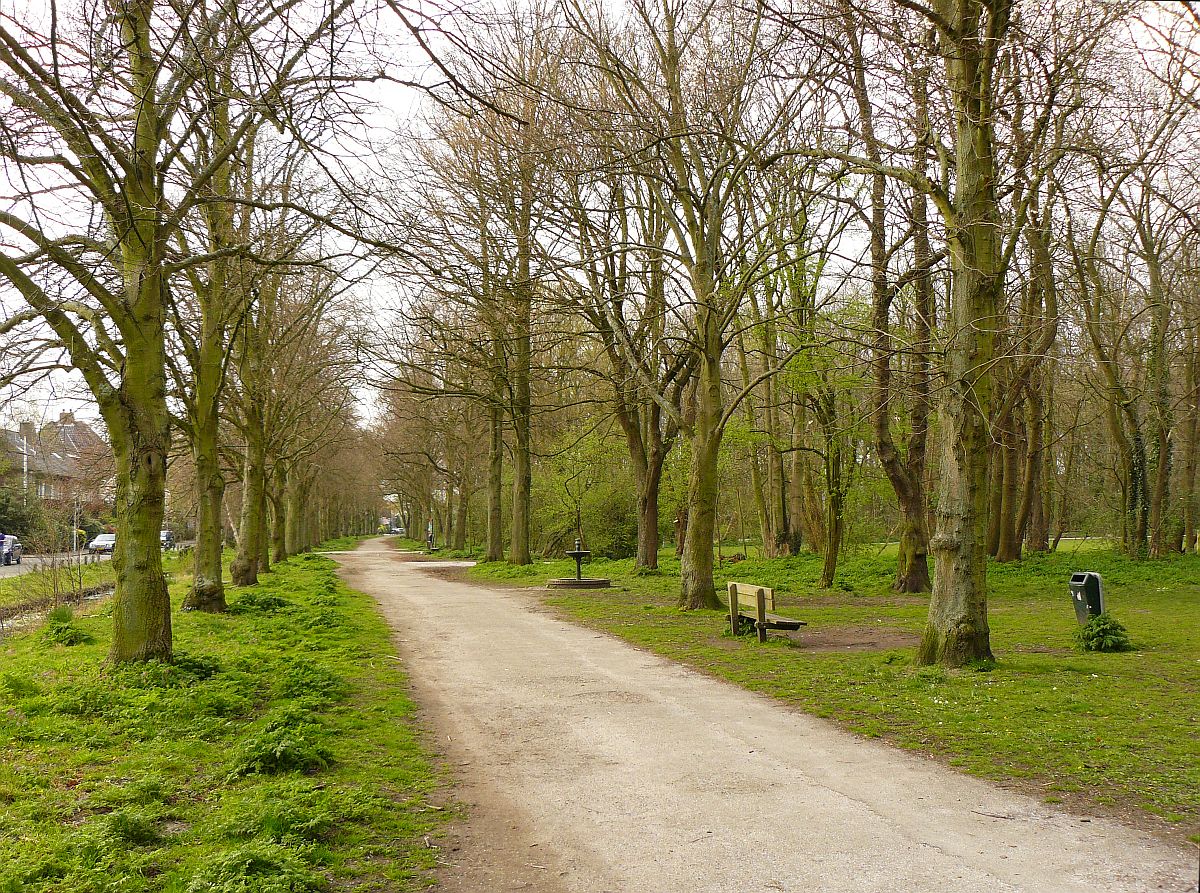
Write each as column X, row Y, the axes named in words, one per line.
column 296, row 810
column 183, row 671
column 17, row 686
column 257, row 602
column 60, row 629
column 257, row 868
column 300, row 677
column 134, row 827
column 1103, row 633
column 288, row 743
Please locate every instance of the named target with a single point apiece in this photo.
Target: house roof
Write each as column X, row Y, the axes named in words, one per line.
column 55, row 450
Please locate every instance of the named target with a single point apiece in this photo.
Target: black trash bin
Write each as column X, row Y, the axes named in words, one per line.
column 1087, row 594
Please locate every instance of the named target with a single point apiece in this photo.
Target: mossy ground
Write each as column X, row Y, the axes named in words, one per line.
column 1116, row 730
column 277, row 753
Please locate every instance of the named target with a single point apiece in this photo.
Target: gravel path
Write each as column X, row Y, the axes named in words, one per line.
column 591, row 766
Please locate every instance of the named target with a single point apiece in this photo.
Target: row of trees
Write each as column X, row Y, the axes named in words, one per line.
column 950, row 242
column 167, row 234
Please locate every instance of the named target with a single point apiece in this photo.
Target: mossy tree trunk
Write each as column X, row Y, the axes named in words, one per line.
column 139, row 431
column 278, row 498
column 495, row 504
column 208, row 591
column 137, row 417
column 252, row 528
column 295, row 491
column 957, row 632
column 697, row 589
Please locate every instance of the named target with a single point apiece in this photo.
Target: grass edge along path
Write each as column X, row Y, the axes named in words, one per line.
column 277, row 754
column 1117, row 733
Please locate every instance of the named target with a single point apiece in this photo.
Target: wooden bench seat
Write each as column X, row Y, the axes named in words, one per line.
column 757, row 603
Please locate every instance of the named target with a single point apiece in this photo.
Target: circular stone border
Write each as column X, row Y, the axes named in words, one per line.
column 585, row 583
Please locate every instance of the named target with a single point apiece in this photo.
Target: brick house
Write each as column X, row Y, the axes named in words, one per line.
column 62, row 460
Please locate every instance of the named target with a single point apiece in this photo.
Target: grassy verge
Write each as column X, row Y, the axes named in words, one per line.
column 37, row 585
column 276, row 754
column 341, row 544
column 1116, row 730
column 404, row 544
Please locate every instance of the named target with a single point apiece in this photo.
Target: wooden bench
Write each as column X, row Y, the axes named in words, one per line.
column 756, row 603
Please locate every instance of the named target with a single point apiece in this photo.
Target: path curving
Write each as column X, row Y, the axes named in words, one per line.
column 591, row 766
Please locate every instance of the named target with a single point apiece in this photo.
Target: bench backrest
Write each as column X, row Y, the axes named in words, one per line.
column 745, row 595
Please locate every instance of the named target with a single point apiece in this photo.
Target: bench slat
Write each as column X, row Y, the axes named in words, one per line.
column 756, row 603
column 747, row 595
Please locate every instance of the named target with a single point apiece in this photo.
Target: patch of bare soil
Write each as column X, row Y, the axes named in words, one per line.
column 852, row 638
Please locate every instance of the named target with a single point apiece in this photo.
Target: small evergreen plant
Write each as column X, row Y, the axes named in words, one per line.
column 1103, row 633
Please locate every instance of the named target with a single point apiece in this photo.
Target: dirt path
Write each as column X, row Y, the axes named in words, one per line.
column 590, row 766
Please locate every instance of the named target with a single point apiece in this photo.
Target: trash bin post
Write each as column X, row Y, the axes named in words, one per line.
column 1087, row 595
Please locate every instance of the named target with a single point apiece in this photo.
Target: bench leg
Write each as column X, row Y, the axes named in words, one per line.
column 761, row 623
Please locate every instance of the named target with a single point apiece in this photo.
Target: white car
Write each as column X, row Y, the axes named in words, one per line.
column 102, row 543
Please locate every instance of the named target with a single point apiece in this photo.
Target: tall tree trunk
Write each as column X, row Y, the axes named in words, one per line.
column 1008, row 546
column 1191, row 432
column 906, row 475
column 137, row 416
column 460, row 522
column 518, row 552
column 647, row 508
column 912, row 562
column 647, row 454
column 295, row 492
column 795, row 531
column 250, row 541
column 995, row 491
column 278, row 497
column 835, row 474
column 207, row 592
column 761, row 497
column 141, row 605
column 696, row 569
column 495, row 494
column 520, row 335
column 1031, row 528
column 1161, row 415
column 697, row 587
column 957, row 631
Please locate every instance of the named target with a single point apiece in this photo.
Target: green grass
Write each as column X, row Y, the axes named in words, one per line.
column 341, row 544
column 277, row 753
column 38, row 584
column 404, row 544
column 1119, row 730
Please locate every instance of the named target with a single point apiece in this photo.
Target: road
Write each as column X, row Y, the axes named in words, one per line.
column 589, row 766
column 33, row 562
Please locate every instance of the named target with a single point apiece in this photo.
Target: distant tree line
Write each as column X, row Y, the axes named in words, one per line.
column 922, row 270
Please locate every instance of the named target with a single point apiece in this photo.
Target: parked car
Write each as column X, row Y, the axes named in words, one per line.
column 166, row 539
column 102, row 543
column 398, row 531
column 11, row 551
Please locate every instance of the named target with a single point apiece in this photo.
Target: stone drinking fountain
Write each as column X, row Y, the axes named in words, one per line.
column 579, row 581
